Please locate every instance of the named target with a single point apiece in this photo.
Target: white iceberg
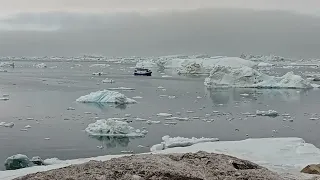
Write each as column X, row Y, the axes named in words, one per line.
column 106, row 96
column 271, row 113
column 6, row 64
column 112, row 128
column 40, row 66
column 169, row 142
column 246, row 77
column 196, row 65
column 17, row 162
column 99, row 65
column 164, row 114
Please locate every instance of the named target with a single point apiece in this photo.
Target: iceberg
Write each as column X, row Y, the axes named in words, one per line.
column 111, row 127
column 169, row 142
column 17, row 162
column 106, row 96
column 246, row 77
column 107, row 80
column 195, row 65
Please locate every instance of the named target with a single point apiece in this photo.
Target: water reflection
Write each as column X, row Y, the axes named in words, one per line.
column 104, row 106
column 112, row 142
column 225, row 95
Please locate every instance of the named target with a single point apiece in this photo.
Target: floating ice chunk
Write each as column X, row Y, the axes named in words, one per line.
column 107, row 80
column 17, row 162
column 87, row 112
column 127, row 115
column 99, row 65
column 97, row 73
column 2, row 123
column 52, row 161
column 109, row 127
column 164, row 114
column 9, row 125
column 47, row 138
column 4, row 99
column 30, row 119
column 160, row 87
column 122, row 88
column 27, row 126
column 182, row 119
column 37, row 161
column 170, row 123
column 169, row 142
column 166, row 76
column 171, row 97
column 71, row 109
column 140, row 119
column 40, row 66
column 137, row 97
column 23, row 129
column 244, row 95
column 106, row 96
column 314, row 118
column 153, row 122
column 271, row 113
column 246, row 77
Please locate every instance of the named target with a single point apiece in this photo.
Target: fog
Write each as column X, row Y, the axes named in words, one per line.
column 211, row 31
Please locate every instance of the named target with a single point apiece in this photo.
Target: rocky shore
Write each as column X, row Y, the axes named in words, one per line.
column 188, row 166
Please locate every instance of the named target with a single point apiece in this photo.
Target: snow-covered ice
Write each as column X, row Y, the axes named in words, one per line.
column 271, row 113
column 9, row 125
column 111, row 127
column 106, row 96
column 40, row 66
column 171, row 142
column 246, row 77
column 286, row 156
column 153, row 122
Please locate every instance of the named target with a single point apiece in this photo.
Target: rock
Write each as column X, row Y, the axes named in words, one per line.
column 37, row 161
column 311, row 169
column 189, row 166
column 18, row 161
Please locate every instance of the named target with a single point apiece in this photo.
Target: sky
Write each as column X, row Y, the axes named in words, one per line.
column 159, row 27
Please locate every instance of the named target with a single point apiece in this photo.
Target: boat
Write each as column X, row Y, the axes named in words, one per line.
column 142, row 72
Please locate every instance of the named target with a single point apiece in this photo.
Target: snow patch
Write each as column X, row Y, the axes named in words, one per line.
column 169, row 142
column 106, row 96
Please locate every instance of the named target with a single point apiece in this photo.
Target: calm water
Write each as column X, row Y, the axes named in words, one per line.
column 45, row 95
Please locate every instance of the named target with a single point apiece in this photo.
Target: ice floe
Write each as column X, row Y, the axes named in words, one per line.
column 271, row 113
column 111, row 127
column 106, row 96
column 164, row 114
column 5, row 124
column 171, row 142
column 246, row 77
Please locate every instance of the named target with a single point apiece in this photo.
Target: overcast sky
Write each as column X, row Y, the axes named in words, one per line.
column 159, row 27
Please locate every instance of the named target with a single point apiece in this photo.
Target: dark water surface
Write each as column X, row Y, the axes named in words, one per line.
column 45, row 95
